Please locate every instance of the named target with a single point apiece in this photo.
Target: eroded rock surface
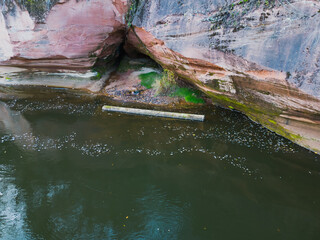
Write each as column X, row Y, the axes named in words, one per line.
column 69, row 34
column 260, row 57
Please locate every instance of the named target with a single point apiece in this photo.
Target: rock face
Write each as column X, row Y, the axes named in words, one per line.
column 259, row 57
column 60, row 33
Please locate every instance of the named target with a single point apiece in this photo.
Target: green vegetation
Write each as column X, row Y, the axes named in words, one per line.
column 99, row 70
column 189, row 95
column 97, row 76
column 226, row 101
column 272, row 121
column 149, row 79
column 256, row 113
column 276, row 127
column 165, row 84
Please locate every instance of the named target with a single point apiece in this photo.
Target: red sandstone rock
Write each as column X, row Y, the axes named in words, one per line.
column 73, row 35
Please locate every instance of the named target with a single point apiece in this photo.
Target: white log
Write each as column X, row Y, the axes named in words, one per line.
column 186, row 116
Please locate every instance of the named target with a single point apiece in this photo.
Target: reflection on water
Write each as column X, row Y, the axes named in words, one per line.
column 12, row 209
column 92, row 175
column 15, row 125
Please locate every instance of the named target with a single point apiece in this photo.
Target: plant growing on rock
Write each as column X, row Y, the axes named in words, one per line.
column 167, row 82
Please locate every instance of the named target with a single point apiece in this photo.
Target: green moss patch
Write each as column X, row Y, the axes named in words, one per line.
column 148, row 79
column 189, row 95
column 272, row 121
column 99, row 72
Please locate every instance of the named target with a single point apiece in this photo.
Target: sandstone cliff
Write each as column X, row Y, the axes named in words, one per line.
column 56, row 34
column 259, row 57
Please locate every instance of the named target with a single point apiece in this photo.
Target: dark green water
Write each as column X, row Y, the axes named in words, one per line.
column 68, row 171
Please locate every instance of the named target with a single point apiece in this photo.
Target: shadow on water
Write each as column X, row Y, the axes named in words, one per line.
column 94, row 175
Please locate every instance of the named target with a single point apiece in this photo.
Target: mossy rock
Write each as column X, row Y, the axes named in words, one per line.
column 189, row 95
column 148, row 79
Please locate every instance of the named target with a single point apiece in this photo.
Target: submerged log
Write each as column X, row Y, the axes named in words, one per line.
column 186, row 116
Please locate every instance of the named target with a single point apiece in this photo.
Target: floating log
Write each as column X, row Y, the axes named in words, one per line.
column 186, row 116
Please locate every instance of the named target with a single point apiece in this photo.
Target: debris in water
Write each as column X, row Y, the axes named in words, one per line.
column 186, row 116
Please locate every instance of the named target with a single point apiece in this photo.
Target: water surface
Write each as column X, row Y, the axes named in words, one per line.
column 69, row 171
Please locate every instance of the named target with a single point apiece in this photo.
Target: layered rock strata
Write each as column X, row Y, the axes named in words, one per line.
column 67, row 35
column 261, row 59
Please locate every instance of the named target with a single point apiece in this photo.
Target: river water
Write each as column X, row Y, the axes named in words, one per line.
column 69, row 171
